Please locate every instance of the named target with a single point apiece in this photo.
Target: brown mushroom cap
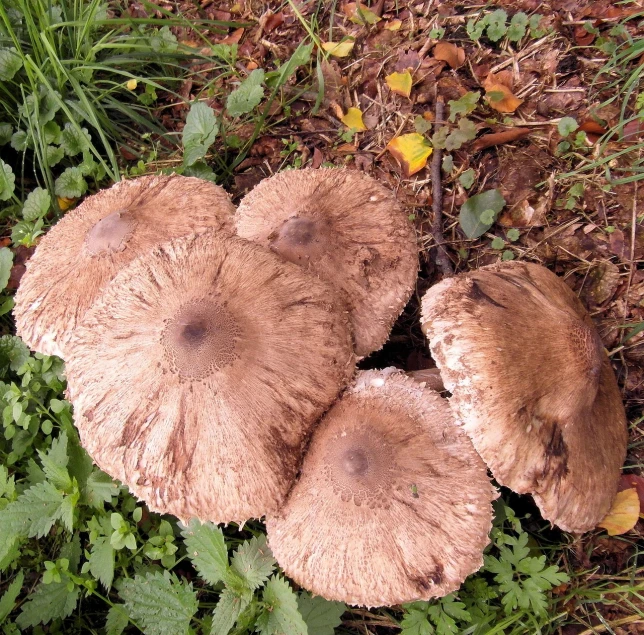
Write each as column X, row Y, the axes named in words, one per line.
column 348, row 229
column 90, row 244
column 393, row 504
column 532, row 385
column 199, row 371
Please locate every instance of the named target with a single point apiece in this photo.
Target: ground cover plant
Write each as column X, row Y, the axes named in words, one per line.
column 540, row 159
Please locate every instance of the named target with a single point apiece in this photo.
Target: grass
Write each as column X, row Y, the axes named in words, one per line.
column 66, row 91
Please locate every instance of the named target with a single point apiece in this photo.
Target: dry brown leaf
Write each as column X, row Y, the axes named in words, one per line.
column 234, row 37
column 499, row 95
column 450, row 53
column 498, row 138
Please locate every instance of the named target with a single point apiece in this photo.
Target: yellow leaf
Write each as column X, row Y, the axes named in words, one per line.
column 338, row 49
column 65, row 203
column 360, row 13
column 624, row 513
column 132, row 84
column 393, row 25
column 400, row 83
column 353, row 119
column 411, row 151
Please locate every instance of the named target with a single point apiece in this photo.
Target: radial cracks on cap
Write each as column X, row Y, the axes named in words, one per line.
column 111, row 233
column 301, row 239
column 201, row 338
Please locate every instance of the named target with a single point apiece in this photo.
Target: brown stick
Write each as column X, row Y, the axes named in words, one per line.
column 442, row 259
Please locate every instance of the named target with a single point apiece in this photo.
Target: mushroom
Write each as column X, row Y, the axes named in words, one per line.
column 346, row 228
column 532, row 385
column 197, row 374
column 393, row 504
column 90, row 244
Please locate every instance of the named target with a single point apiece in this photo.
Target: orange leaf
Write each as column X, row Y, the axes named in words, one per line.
column 400, row 83
column 497, row 138
column 353, row 119
column 499, row 96
column 450, row 53
column 624, row 513
column 234, row 37
column 411, row 151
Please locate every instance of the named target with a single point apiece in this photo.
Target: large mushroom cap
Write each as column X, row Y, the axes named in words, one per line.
column 197, row 374
column 393, row 503
column 349, row 230
column 90, row 244
column 532, row 385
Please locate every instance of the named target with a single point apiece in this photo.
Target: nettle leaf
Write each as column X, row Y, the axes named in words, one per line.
column 6, row 262
column 160, row 603
column 37, row 204
column 254, row 562
column 117, row 620
column 54, row 462
column 6, row 130
column 199, row 133
column 70, row 184
column 8, row 601
column 207, row 549
column 10, row 63
column 322, row 617
column 250, row 92
column 47, row 603
column 33, row 513
column 227, row 611
column 463, row 106
column 479, row 212
column 280, row 616
column 99, row 489
column 101, row 562
column 74, row 140
column 7, row 181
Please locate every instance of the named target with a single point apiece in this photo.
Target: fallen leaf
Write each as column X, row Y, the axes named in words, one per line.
column 593, row 130
column 450, row 53
column 234, row 37
column 500, row 97
column 583, row 37
column 360, row 13
column 411, row 151
column 624, row 513
column 393, row 25
column 273, row 20
column 338, row 49
column 633, row 130
column 353, row 119
column 346, row 148
column 498, row 138
column 65, row 203
column 627, row 481
column 400, row 83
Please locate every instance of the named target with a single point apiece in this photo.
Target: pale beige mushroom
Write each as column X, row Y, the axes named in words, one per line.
column 532, row 385
column 90, row 244
column 198, row 373
column 393, row 504
column 346, row 228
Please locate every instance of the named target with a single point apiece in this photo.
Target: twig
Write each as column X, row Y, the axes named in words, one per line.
column 442, row 259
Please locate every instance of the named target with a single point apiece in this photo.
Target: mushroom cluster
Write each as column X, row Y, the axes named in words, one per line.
column 211, row 359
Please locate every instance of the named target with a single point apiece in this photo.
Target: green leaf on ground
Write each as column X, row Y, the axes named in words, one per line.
column 8, row 600
column 71, row 184
column 479, row 212
column 199, row 133
column 7, row 181
column 37, row 204
column 245, row 98
column 10, row 63
column 226, row 612
column 101, row 562
column 322, row 617
column 6, row 262
column 117, row 620
column 207, row 550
